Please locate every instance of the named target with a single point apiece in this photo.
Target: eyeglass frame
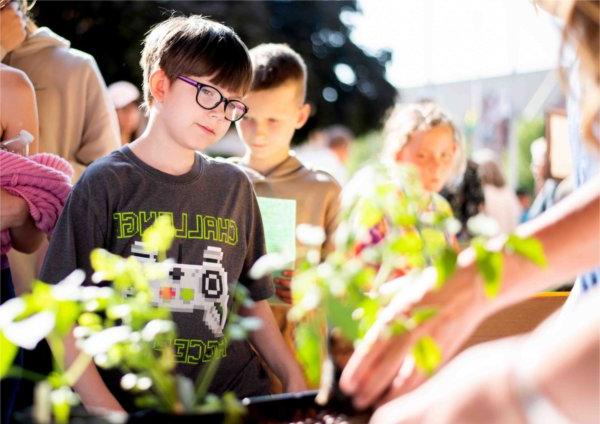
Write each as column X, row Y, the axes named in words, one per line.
column 223, row 99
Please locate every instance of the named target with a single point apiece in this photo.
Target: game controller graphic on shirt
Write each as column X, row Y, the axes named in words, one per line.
column 192, row 287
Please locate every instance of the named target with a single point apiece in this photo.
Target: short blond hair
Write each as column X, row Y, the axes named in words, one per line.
column 409, row 118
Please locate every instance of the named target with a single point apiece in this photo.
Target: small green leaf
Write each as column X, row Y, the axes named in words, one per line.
column 420, row 315
column 409, row 242
column 66, row 315
column 398, row 327
column 445, row 265
column 427, row 355
column 9, row 352
column 370, row 214
column 490, row 266
column 435, row 240
column 339, row 315
column 160, row 235
column 529, row 248
column 308, row 341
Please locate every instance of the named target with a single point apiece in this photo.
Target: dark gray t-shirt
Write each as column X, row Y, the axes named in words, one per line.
column 219, row 236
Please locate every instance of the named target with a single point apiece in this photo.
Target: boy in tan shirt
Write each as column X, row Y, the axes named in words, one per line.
column 276, row 109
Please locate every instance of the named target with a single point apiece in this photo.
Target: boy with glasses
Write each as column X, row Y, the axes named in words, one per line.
column 196, row 72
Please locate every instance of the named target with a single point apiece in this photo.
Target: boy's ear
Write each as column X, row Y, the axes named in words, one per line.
column 159, row 85
column 303, row 115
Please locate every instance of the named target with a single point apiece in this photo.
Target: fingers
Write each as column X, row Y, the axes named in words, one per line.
column 284, row 293
column 283, row 286
column 403, row 384
column 372, row 369
column 378, row 380
column 283, row 282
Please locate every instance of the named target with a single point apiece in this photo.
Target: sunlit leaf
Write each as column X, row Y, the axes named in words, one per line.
column 339, row 315
column 66, row 316
column 28, row 332
column 9, row 351
column 160, row 235
column 445, row 265
column 370, row 214
column 490, row 266
column 409, row 242
column 427, row 355
column 529, row 247
column 308, row 341
column 420, row 315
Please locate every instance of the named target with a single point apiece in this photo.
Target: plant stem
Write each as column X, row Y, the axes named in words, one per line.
column 23, row 373
column 207, row 377
column 77, row 368
column 58, row 351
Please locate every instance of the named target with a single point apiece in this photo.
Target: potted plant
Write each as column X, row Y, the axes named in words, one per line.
column 394, row 240
column 115, row 326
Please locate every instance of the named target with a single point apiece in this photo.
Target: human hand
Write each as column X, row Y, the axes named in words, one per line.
column 14, row 212
column 283, row 286
column 474, row 387
column 382, row 367
column 13, row 31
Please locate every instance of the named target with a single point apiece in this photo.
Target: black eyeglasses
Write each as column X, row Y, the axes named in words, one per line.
column 208, row 97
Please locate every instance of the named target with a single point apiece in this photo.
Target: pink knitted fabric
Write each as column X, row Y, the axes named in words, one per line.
column 42, row 180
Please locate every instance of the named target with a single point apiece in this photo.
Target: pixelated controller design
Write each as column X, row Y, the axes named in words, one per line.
column 192, row 287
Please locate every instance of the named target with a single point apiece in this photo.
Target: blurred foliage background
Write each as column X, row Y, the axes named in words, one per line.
column 346, row 85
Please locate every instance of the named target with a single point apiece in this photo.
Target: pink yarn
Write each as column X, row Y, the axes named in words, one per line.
column 42, row 180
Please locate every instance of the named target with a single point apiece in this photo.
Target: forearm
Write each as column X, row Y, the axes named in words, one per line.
column 271, row 346
column 91, row 388
column 569, row 235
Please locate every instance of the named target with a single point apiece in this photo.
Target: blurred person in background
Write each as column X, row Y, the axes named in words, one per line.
column 500, row 201
column 328, row 150
column 125, row 97
column 77, row 119
column 525, row 200
column 548, row 189
column 465, row 197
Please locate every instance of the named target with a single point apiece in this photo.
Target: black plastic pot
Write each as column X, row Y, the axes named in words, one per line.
column 271, row 409
column 297, row 407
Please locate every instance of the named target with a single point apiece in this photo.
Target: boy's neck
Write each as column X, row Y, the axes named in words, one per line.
column 157, row 149
column 266, row 164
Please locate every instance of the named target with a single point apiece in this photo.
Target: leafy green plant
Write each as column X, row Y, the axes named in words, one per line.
column 116, row 326
column 392, row 233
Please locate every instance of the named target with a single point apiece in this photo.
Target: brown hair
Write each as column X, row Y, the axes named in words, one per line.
column 196, row 46
column 338, row 136
column 581, row 28
column 491, row 174
column 275, row 64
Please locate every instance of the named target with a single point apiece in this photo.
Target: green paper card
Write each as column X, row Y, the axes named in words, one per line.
column 279, row 222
